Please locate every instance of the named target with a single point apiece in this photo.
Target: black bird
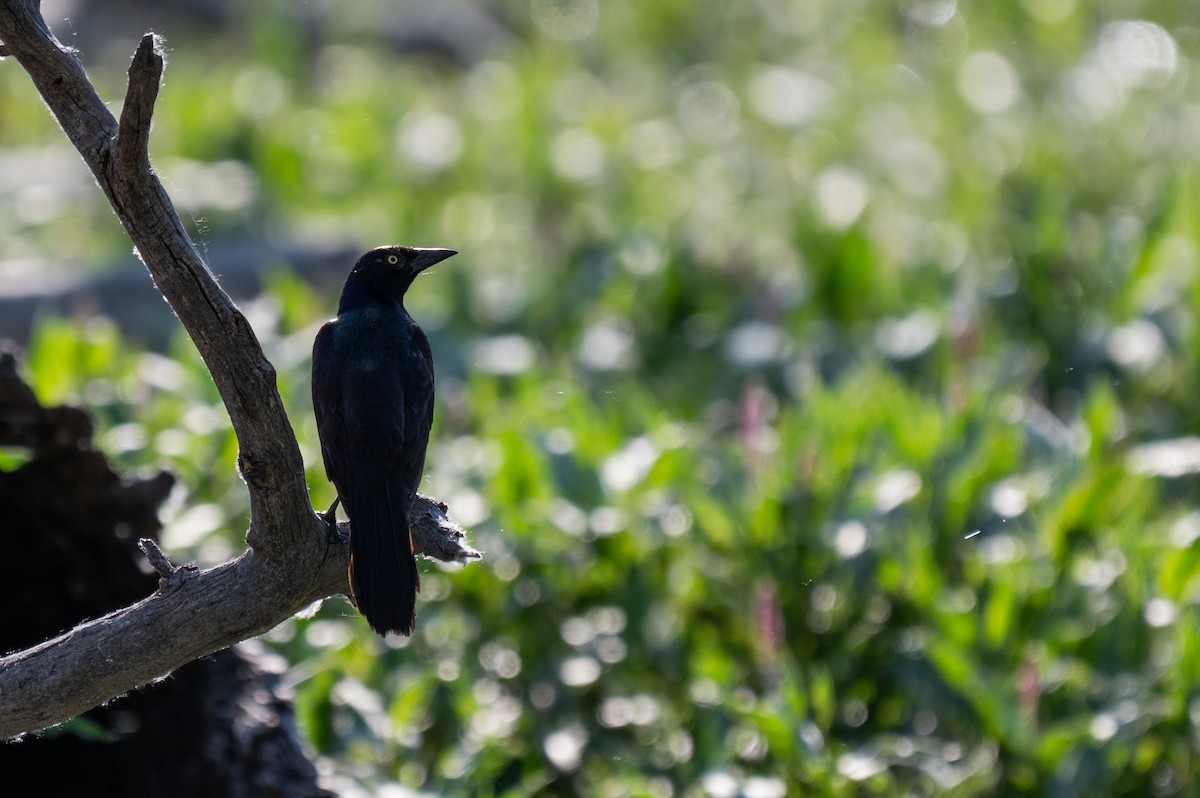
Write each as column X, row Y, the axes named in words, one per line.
column 372, row 386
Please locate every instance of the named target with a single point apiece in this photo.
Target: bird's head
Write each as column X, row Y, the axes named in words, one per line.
column 387, row 272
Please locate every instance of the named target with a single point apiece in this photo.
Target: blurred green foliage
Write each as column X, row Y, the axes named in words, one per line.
column 818, row 379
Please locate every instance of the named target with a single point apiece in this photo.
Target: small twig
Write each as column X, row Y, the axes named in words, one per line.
column 436, row 536
column 156, row 556
column 145, row 76
column 172, row 576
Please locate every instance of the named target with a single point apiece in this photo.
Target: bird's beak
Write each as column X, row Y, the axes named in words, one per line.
column 427, row 257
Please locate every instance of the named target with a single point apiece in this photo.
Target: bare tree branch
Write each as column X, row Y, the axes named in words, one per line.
column 268, row 456
column 192, row 614
column 287, row 566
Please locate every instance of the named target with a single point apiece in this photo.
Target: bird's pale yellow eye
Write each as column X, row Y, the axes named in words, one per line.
column 392, row 259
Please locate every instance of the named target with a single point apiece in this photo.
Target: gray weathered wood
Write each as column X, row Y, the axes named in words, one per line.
column 287, row 565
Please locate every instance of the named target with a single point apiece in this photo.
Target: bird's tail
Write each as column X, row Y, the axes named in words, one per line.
column 383, row 571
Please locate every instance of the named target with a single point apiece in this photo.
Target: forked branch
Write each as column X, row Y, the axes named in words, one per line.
column 286, row 566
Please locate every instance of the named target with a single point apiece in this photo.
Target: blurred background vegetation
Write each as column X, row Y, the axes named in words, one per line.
column 819, row 378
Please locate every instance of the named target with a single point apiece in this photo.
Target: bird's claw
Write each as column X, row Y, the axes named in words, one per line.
column 332, row 538
column 330, row 519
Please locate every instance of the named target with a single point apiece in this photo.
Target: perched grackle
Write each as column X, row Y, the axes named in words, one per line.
column 372, row 386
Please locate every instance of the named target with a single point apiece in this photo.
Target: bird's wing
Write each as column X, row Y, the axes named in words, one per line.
column 327, row 380
column 418, row 410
